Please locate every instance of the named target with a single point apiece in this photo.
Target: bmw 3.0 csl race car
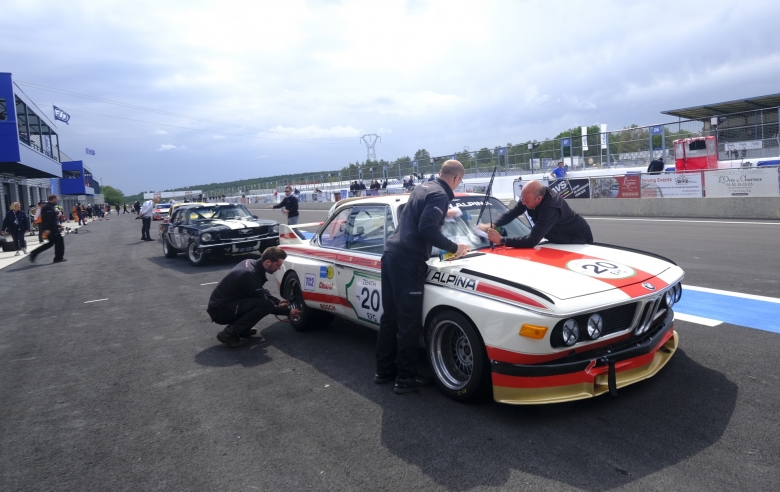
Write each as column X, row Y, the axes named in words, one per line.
column 549, row 324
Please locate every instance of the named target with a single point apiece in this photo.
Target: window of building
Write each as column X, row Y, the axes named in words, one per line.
column 21, row 118
column 3, row 110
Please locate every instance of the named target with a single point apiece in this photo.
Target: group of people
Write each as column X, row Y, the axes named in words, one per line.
column 17, row 223
column 240, row 301
column 359, row 188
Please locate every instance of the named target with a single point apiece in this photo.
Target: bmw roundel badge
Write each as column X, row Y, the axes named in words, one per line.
column 648, row 286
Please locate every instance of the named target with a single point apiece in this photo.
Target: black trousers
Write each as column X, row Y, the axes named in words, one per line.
column 146, row 223
column 56, row 241
column 241, row 315
column 19, row 241
column 397, row 344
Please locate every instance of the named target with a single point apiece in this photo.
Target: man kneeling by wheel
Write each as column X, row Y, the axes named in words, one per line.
column 240, row 301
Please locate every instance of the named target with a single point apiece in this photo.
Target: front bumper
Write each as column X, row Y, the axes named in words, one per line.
column 239, row 246
column 588, row 375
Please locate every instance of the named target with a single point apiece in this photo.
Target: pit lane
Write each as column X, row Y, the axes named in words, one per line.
column 135, row 393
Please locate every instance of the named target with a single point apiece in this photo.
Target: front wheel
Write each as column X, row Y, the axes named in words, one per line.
column 310, row 318
column 457, row 356
column 196, row 255
column 168, row 250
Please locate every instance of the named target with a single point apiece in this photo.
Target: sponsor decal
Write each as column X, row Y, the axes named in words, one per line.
column 327, row 307
column 452, row 280
column 571, row 188
column 648, row 286
column 309, row 282
column 364, row 295
column 327, row 272
column 601, row 268
column 325, row 285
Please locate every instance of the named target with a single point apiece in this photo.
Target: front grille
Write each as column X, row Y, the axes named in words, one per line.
column 236, row 233
column 616, row 319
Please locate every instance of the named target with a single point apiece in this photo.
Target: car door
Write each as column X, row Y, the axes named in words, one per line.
column 319, row 278
column 173, row 224
column 359, row 263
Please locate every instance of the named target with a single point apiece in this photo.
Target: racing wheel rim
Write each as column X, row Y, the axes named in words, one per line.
column 294, row 294
column 453, row 355
column 196, row 255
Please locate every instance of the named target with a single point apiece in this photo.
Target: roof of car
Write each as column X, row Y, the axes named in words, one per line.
column 391, row 199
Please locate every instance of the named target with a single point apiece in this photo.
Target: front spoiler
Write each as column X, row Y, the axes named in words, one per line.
column 589, row 377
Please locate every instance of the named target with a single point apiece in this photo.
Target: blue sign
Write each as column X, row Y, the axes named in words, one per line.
column 566, row 142
column 90, row 151
column 656, row 130
column 61, row 115
column 501, row 151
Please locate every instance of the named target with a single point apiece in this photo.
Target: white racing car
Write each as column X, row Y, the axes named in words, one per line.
column 549, row 324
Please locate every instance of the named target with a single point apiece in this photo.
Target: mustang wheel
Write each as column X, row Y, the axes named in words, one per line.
column 310, row 318
column 196, row 256
column 458, row 356
column 168, row 250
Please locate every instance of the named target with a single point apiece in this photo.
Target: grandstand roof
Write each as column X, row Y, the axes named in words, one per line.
column 721, row 108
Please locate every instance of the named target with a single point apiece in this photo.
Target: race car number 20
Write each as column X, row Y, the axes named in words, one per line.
column 364, row 294
column 601, row 268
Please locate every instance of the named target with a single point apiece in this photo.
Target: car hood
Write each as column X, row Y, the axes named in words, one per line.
column 561, row 271
column 238, row 224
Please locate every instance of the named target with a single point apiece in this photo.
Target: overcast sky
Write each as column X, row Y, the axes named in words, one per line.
column 307, row 78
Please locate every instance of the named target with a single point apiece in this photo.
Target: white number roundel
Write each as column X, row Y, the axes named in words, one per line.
column 601, row 268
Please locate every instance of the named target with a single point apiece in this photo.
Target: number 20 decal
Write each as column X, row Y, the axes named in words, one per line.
column 600, row 268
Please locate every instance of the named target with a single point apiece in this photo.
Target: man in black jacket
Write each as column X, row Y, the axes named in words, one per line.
column 656, row 166
column 51, row 231
column 290, row 204
column 404, row 270
column 240, row 301
column 552, row 216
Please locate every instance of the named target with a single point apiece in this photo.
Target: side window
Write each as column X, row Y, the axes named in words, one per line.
column 335, row 233
column 389, row 224
column 366, row 229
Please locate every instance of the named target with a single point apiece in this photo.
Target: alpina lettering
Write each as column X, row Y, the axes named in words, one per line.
column 454, row 280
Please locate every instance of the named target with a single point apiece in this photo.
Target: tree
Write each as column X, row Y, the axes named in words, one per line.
column 111, row 195
column 422, row 155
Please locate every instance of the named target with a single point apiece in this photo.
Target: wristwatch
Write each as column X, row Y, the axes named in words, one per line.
column 503, row 241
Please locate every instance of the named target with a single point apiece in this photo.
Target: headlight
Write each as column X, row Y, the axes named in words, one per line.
column 275, row 229
column 571, row 331
column 677, row 292
column 205, row 237
column 595, row 325
column 669, row 297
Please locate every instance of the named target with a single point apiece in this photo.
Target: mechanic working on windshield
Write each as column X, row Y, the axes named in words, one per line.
column 552, row 216
column 404, row 270
column 240, row 301
column 290, row 204
column 146, row 213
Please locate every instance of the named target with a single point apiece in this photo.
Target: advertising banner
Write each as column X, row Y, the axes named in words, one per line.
column 616, row 187
column 571, row 188
column 761, row 181
column 672, row 185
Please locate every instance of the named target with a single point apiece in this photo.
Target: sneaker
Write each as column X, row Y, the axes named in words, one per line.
column 24, row 250
column 60, row 261
column 230, row 339
column 18, row 253
column 414, row 383
column 384, row 378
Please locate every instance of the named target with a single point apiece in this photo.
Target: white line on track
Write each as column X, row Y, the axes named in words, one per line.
column 697, row 319
column 210, row 283
column 716, row 222
column 96, row 300
column 732, row 294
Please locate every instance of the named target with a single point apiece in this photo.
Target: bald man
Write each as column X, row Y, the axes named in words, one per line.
column 404, row 269
column 552, row 216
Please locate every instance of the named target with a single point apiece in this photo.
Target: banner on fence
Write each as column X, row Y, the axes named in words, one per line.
column 616, row 187
column 761, row 181
column 571, row 188
column 671, row 185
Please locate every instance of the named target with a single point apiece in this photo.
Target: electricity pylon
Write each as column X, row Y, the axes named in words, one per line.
column 370, row 140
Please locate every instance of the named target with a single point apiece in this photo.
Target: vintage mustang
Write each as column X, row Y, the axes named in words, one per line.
column 204, row 230
column 549, row 324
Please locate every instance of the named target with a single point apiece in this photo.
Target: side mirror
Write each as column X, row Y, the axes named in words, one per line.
column 255, row 217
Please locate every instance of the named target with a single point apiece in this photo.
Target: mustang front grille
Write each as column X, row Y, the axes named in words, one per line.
column 238, row 234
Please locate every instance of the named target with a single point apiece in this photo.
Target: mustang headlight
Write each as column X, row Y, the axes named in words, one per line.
column 571, row 332
column 595, row 325
column 275, row 229
column 205, row 237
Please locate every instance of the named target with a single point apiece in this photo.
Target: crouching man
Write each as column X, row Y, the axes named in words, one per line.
column 240, row 301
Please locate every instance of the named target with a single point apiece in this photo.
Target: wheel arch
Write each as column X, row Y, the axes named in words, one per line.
column 446, row 307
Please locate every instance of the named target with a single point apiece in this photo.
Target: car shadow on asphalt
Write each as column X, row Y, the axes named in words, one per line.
column 252, row 355
column 593, row 444
column 182, row 264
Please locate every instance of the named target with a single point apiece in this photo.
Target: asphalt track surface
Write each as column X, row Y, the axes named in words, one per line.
column 135, row 393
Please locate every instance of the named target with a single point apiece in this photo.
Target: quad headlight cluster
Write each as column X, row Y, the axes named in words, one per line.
column 672, row 296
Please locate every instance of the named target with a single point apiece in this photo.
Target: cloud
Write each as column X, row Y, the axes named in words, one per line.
column 586, row 105
column 167, row 147
column 313, row 131
column 160, row 132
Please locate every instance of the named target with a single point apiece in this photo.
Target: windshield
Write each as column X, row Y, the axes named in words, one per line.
column 461, row 229
column 223, row 212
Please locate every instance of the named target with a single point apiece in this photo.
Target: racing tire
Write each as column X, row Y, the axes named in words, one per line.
column 196, row 256
column 168, row 250
column 460, row 364
column 310, row 318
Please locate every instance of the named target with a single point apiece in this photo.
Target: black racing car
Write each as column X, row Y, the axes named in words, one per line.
column 211, row 230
